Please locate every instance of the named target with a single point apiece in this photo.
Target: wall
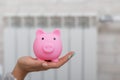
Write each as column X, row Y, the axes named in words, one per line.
column 109, row 52
column 108, row 40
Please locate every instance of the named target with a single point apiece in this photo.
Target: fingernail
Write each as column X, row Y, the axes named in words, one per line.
column 44, row 64
column 70, row 56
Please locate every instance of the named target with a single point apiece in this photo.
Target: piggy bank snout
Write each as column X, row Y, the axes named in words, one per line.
column 48, row 48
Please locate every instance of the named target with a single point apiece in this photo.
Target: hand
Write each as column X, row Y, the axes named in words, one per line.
column 28, row 64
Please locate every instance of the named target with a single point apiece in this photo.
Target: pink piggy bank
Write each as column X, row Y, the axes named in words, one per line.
column 47, row 46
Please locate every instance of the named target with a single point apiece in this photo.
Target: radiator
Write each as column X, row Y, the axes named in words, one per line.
column 79, row 34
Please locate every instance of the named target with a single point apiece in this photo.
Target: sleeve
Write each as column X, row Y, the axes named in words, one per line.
column 9, row 76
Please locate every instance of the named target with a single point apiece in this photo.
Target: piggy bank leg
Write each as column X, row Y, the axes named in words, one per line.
column 55, row 60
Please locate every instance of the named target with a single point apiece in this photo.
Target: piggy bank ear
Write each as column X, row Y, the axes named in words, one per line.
column 56, row 32
column 39, row 32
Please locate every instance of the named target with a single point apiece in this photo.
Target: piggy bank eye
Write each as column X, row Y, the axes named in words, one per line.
column 42, row 38
column 54, row 38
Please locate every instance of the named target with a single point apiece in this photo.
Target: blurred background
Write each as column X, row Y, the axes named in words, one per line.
column 107, row 22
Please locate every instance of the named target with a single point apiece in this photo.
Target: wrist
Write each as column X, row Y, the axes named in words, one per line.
column 19, row 73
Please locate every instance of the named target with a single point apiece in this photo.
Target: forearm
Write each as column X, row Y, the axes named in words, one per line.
column 18, row 73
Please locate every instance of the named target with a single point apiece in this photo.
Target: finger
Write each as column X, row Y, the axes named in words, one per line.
column 32, row 58
column 38, row 62
column 34, row 61
column 61, row 61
